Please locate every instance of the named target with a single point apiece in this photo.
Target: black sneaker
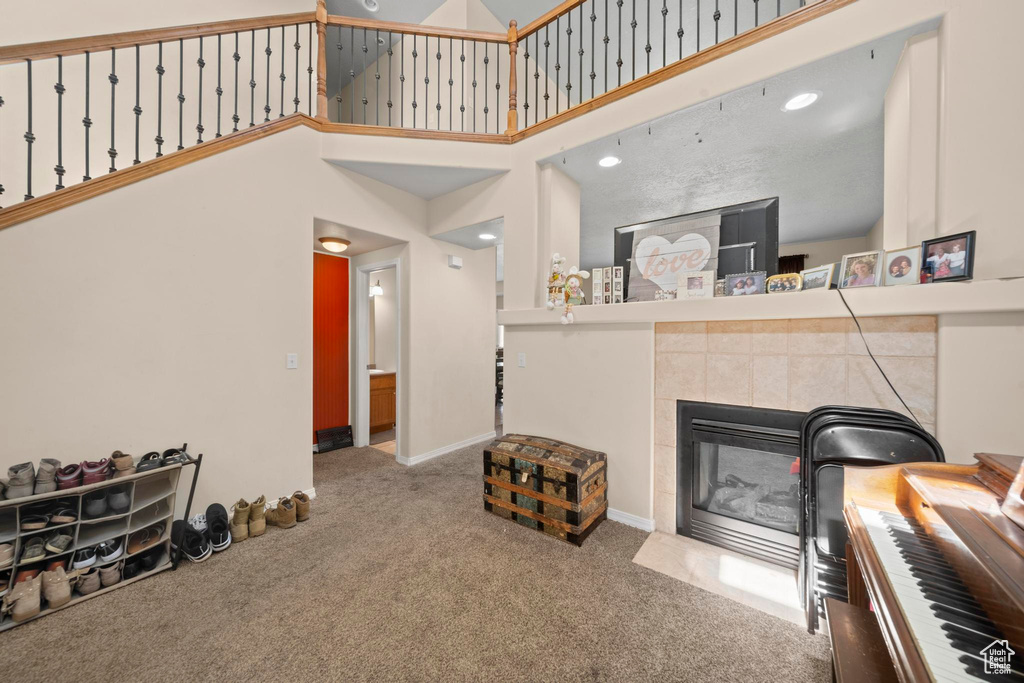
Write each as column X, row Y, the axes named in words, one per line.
column 192, row 543
column 86, row 557
column 110, row 550
column 217, row 528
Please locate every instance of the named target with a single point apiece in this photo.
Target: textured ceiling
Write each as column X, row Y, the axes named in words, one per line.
column 823, row 162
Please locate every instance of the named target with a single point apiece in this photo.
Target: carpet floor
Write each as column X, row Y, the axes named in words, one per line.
column 400, row 574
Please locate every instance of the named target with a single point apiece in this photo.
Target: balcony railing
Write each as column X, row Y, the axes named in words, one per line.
column 82, row 111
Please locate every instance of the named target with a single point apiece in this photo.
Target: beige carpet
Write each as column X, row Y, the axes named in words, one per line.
column 401, row 575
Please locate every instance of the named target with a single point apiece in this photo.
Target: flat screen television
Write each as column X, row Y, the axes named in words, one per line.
column 748, row 238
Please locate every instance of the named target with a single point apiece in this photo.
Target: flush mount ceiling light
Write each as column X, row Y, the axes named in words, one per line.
column 334, row 244
column 609, row 161
column 488, row 236
column 371, row 5
column 376, row 290
column 802, row 100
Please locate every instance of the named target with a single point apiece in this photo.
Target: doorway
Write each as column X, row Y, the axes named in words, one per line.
column 378, row 356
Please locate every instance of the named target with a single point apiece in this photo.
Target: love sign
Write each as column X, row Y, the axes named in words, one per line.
column 661, row 261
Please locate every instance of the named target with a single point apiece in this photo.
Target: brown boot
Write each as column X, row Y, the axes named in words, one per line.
column 283, row 515
column 257, row 517
column 56, row 587
column 23, row 600
column 301, row 506
column 239, row 521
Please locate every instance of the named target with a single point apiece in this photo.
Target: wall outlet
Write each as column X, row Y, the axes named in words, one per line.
column 522, row 359
column 293, row 361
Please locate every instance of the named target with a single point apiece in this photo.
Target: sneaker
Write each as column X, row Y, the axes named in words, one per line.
column 93, row 472
column 56, row 588
column 283, row 515
column 46, row 476
column 239, row 521
column 89, row 582
column 110, row 550
column 86, row 557
column 6, row 555
column 21, row 481
column 123, row 464
column 257, row 517
column 192, row 543
column 301, row 506
column 24, row 599
column 58, row 543
column 198, row 522
column 218, row 529
column 94, row 504
column 119, row 499
column 5, row 582
column 33, row 551
column 69, row 477
column 110, row 575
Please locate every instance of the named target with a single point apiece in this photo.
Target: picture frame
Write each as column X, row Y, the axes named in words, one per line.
column 784, row 283
column 950, row 256
column 822, row 277
column 745, row 284
column 861, row 270
column 720, row 287
column 903, row 266
column 696, row 285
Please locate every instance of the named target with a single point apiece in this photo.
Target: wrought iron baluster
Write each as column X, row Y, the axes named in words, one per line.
column 29, row 136
column 252, row 80
column 497, row 88
column 86, row 121
column 474, row 86
column 679, row 32
column 716, row 16
column 220, row 88
column 756, row 8
column 282, row 76
column 486, row 108
column 199, row 122
column 580, row 53
column 338, row 96
column 376, row 77
column 526, row 83
column 607, row 40
column 112, row 152
column 401, row 81
column 59, row 89
column 736, row 17
column 365, row 50
column 267, row 52
column 309, row 70
column 426, row 82
column 698, row 26
column 593, row 46
column 647, row 47
column 137, row 110
column 568, row 59
column 632, row 47
column 664, row 33
column 414, row 53
column 391, row 55
column 352, row 75
column 558, row 52
column 1, row 184
column 462, row 86
column 547, row 73
column 297, row 47
column 236, row 57
column 439, row 83
column 451, row 83
column 778, row 8
column 618, row 62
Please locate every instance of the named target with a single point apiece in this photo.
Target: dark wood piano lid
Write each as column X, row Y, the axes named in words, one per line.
column 997, row 471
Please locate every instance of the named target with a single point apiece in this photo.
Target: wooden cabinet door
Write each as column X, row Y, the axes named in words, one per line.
column 382, row 402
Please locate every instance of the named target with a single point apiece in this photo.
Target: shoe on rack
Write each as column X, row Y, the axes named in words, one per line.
column 239, row 521
column 123, row 464
column 69, row 477
column 150, row 461
column 46, row 476
column 218, row 529
column 23, row 601
column 33, row 551
column 257, row 517
column 58, row 543
column 52, row 565
column 63, row 512
column 118, row 499
column 89, row 581
column 173, row 456
column 26, row 575
column 21, row 481
column 110, row 550
column 95, row 471
column 193, row 544
column 144, row 538
column 110, row 574
column 86, row 557
column 35, row 517
column 94, row 504
column 301, row 506
column 6, row 555
column 5, row 582
column 56, row 588
column 283, row 515
column 149, row 559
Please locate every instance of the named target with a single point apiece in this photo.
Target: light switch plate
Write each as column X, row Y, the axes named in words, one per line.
column 293, row 361
column 522, row 359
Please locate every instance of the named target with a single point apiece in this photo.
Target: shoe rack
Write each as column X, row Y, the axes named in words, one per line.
column 152, row 495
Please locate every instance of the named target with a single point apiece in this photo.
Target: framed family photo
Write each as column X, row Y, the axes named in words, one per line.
column 699, row 285
column 784, row 282
column 903, row 266
column 861, row 270
column 745, row 284
column 818, row 278
column 950, row 257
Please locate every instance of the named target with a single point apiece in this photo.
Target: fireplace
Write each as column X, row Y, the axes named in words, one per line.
column 738, row 474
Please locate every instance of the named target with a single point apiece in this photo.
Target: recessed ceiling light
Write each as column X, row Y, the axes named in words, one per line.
column 334, row 244
column 487, row 236
column 609, row 161
column 802, row 100
column 371, row 5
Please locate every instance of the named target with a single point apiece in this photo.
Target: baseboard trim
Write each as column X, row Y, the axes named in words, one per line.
column 423, row 457
column 641, row 523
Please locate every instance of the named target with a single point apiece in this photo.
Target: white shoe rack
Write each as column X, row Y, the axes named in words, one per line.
column 152, row 495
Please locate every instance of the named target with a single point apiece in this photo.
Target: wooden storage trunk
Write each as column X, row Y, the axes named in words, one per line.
column 547, row 485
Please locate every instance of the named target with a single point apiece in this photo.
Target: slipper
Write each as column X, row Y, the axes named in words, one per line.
column 34, row 522
column 192, row 543
column 144, row 538
column 63, row 514
column 173, row 456
column 150, row 461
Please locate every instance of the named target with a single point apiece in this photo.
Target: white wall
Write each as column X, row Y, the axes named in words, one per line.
column 385, row 320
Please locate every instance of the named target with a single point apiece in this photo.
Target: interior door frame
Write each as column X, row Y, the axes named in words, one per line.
column 361, row 423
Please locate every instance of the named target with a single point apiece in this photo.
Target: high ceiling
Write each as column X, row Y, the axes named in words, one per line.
column 823, row 162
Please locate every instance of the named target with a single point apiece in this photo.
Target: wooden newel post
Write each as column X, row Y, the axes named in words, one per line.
column 321, row 60
column 513, row 47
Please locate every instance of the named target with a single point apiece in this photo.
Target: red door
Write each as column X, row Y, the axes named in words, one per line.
column 330, row 342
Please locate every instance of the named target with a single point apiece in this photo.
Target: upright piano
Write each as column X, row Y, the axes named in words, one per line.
column 939, row 559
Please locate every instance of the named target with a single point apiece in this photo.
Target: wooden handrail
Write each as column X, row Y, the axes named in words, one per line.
column 549, row 16
column 321, row 61
column 75, row 46
column 417, row 29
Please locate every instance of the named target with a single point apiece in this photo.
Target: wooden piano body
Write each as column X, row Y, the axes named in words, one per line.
column 957, row 508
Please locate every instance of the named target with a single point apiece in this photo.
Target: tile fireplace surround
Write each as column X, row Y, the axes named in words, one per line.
column 787, row 364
